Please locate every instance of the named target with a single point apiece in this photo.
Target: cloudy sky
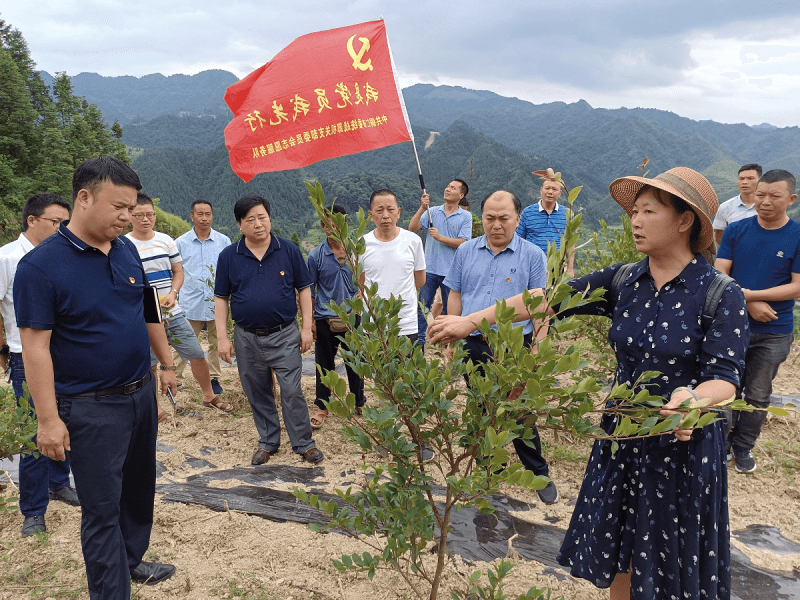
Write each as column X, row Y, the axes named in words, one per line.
column 728, row 61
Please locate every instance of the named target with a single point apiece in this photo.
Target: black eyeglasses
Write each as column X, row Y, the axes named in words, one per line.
column 55, row 222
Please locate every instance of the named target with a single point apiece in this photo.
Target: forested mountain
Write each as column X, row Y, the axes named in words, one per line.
column 139, row 99
column 179, row 176
column 45, row 132
column 489, row 139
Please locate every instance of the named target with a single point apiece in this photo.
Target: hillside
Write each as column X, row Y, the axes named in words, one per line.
column 139, row 99
column 176, row 126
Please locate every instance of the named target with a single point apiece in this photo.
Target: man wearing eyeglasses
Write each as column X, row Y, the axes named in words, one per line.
column 162, row 265
column 40, row 479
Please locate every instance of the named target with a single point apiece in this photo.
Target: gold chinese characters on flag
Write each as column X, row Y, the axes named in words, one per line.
column 326, row 94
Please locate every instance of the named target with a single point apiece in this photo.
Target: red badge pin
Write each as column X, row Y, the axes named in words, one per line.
column 132, row 280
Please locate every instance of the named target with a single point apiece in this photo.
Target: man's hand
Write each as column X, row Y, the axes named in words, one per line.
column 449, row 328
column 761, row 311
column 169, row 300
column 52, row 439
column 424, row 202
column 434, row 233
column 168, row 380
column 306, row 339
column 225, row 349
column 4, row 362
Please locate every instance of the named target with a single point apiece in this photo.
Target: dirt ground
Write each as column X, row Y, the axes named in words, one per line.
column 234, row 555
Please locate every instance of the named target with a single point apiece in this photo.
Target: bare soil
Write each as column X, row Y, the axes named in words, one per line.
column 234, row 555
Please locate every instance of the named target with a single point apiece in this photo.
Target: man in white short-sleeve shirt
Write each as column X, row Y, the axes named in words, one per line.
column 742, row 206
column 394, row 259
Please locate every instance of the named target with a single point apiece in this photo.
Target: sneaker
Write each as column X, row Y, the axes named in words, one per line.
column 65, row 494
column 179, row 387
column 427, row 453
column 216, row 386
column 548, row 494
column 730, row 453
column 32, row 525
column 743, row 460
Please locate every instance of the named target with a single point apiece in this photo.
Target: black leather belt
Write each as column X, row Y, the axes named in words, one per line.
column 128, row 388
column 268, row 330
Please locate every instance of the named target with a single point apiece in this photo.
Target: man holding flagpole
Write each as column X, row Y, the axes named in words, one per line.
column 451, row 227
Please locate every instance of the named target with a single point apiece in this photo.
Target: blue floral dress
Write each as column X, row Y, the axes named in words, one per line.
column 659, row 505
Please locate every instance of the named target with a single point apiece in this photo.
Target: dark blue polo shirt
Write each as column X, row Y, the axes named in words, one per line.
column 261, row 291
column 94, row 306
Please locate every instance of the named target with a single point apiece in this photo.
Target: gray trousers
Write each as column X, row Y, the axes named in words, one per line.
column 256, row 358
column 765, row 354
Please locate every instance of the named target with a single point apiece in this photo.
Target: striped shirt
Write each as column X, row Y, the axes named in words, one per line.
column 541, row 228
column 158, row 254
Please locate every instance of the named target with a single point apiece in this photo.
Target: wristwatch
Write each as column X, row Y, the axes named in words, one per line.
column 165, row 368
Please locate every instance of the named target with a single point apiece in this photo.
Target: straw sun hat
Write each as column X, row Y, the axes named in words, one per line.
column 683, row 182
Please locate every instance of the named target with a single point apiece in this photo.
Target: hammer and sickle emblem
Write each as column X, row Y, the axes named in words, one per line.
column 357, row 64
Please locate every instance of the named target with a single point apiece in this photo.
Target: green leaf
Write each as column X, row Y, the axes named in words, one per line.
column 781, row 412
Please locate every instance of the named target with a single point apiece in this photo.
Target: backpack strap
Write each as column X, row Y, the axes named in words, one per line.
column 713, row 298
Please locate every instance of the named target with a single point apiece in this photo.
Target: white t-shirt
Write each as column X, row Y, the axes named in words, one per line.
column 10, row 255
column 392, row 265
column 158, row 255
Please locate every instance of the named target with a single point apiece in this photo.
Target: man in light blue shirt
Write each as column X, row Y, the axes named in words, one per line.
column 199, row 248
column 332, row 281
column 495, row 266
column 452, row 226
column 545, row 222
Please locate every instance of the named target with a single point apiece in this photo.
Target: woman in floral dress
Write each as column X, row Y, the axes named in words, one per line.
column 651, row 519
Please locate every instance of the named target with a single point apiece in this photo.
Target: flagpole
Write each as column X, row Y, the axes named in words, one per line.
column 408, row 125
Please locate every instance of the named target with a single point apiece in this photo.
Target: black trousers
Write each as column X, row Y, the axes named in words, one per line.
column 325, row 348
column 531, row 458
column 113, row 459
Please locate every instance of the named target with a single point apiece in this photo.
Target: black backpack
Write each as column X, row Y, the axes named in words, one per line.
column 713, row 292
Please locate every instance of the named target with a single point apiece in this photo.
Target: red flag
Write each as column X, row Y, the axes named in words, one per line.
column 326, row 94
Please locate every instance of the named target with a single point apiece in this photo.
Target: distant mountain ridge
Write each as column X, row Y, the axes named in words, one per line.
column 129, row 99
column 167, row 119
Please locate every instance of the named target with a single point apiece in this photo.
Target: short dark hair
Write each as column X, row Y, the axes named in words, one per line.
column 751, row 167
column 201, row 201
column 336, row 209
column 776, row 175
column 464, row 203
column 36, row 205
column 464, row 186
column 93, row 172
column 382, row 192
column 246, row 203
column 517, row 203
column 142, row 198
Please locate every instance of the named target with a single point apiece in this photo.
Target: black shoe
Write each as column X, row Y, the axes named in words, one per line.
column 33, row 524
column 548, row 494
column 743, row 460
column 66, row 494
column 180, row 387
column 261, row 456
column 216, row 386
column 151, row 573
column 313, row 455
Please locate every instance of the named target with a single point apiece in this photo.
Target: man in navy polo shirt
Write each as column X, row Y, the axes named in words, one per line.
column 545, row 222
column 495, row 266
column 79, row 302
column 259, row 274
column 451, row 227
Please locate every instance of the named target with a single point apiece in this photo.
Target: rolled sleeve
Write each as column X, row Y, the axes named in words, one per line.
column 724, row 347
column 465, row 232
column 301, row 275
